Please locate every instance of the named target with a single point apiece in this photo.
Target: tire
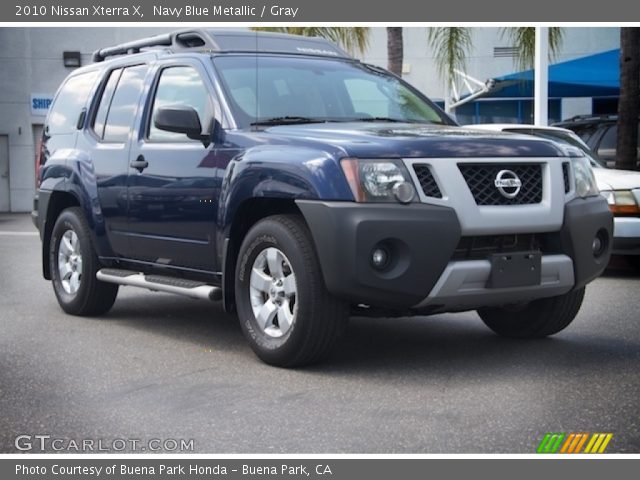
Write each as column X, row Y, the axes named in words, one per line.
column 536, row 319
column 74, row 264
column 277, row 262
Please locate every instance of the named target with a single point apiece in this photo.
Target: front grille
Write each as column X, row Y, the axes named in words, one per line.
column 481, row 177
column 481, row 246
column 427, row 182
column 565, row 174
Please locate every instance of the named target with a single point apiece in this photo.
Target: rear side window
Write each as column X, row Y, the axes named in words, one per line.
column 65, row 111
column 585, row 132
column 609, row 139
column 118, row 104
column 103, row 109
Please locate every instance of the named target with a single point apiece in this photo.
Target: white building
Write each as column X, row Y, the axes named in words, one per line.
column 33, row 66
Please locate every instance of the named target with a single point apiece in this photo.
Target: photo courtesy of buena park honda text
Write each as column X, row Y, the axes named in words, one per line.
column 331, row 240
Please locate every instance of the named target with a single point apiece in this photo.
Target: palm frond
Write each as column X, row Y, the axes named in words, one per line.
column 524, row 39
column 354, row 40
column 451, row 46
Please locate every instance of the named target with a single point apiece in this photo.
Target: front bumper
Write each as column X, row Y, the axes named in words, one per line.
column 626, row 236
column 423, row 238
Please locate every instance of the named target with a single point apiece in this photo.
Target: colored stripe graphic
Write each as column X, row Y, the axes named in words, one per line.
column 571, row 439
column 550, row 443
column 573, row 442
column 598, row 443
column 581, row 443
column 606, row 441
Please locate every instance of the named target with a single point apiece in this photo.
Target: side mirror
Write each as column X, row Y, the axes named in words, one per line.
column 181, row 119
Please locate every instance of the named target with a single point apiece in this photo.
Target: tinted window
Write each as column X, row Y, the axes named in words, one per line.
column 609, row 139
column 324, row 90
column 585, row 132
column 124, row 104
column 180, row 86
column 105, row 102
column 66, row 109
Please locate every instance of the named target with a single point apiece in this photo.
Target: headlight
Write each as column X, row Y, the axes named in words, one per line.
column 585, row 181
column 621, row 202
column 378, row 180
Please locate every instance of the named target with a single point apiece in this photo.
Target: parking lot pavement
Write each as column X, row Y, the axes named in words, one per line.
column 165, row 367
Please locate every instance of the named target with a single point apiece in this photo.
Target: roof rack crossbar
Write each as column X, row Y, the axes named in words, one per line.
column 128, row 48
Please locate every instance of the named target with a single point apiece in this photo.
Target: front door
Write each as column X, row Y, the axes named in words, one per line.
column 4, row 174
column 173, row 197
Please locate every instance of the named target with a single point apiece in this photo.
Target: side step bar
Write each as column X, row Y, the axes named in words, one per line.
column 160, row 283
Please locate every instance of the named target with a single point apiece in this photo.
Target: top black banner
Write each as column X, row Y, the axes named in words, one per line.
column 286, row 11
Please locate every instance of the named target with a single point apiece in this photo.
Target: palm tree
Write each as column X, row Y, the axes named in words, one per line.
column 395, row 50
column 353, row 39
column 524, row 39
column 629, row 101
column 453, row 44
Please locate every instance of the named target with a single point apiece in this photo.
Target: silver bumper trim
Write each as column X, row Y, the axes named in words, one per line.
column 462, row 285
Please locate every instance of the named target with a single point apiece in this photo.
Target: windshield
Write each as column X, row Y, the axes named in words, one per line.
column 565, row 138
column 275, row 90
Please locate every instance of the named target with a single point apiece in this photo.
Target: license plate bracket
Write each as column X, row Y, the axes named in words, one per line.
column 515, row 269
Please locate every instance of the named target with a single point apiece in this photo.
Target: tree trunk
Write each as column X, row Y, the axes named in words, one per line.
column 629, row 103
column 395, row 53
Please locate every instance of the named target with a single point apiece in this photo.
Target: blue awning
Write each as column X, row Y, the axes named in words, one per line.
column 592, row 76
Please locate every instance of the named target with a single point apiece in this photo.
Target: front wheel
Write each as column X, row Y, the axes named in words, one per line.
column 286, row 313
column 536, row 319
column 74, row 265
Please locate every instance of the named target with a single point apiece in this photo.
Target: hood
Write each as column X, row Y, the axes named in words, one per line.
column 609, row 179
column 409, row 140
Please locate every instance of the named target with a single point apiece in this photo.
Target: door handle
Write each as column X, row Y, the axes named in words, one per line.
column 139, row 163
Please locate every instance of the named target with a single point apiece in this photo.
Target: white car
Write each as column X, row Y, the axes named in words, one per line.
column 621, row 188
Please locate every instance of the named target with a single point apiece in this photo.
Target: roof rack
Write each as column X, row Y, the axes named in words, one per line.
column 603, row 116
column 205, row 40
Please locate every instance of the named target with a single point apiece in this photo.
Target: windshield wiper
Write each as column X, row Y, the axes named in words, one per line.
column 295, row 120
column 288, row 120
column 386, row 119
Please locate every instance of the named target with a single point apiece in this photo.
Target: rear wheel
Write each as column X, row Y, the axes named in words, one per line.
column 285, row 311
column 74, row 265
column 536, row 319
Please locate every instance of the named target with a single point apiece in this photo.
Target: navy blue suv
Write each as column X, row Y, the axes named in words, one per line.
column 298, row 186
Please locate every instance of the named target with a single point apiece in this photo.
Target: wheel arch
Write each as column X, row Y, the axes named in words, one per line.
column 58, row 202
column 249, row 212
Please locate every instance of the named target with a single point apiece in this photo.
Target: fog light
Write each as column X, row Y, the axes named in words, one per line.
column 404, row 192
column 599, row 244
column 380, row 258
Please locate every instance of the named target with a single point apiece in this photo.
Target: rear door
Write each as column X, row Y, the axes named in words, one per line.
column 173, row 200
column 108, row 139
